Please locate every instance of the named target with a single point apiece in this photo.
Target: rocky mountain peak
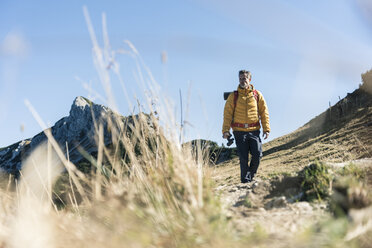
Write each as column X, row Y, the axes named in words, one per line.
column 83, row 106
column 75, row 130
column 81, row 102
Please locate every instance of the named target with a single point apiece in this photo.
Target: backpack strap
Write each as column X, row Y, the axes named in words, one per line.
column 236, row 94
column 255, row 94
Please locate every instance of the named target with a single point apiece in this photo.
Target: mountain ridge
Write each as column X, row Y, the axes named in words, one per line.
column 77, row 129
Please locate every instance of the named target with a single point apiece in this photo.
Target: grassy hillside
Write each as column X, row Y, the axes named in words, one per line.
column 303, row 191
column 343, row 132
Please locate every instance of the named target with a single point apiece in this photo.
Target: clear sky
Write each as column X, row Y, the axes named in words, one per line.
column 302, row 54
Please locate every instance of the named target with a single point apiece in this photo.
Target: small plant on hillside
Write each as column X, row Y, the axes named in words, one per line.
column 247, row 202
column 353, row 170
column 316, row 181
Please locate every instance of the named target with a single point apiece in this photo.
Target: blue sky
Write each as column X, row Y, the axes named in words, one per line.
column 302, row 54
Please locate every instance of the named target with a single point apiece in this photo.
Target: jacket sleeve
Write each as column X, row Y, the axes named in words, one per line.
column 228, row 113
column 263, row 111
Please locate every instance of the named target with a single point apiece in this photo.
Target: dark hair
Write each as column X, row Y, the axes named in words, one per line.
column 245, row 72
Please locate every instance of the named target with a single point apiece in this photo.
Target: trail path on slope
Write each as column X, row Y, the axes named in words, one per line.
column 267, row 206
column 270, row 204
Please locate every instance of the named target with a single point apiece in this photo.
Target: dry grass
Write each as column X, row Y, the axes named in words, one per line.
column 145, row 190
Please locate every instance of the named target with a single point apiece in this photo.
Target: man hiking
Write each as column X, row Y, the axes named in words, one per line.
column 243, row 111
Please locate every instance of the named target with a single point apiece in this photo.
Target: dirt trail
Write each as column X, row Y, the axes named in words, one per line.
column 263, row 206
column 270, row 205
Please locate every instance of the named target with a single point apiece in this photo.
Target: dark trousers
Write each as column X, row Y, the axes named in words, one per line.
column 248, row 142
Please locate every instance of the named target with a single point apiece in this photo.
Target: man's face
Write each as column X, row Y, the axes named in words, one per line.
column 244, row 80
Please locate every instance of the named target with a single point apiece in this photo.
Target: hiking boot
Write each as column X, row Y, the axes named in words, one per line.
column 248, row 177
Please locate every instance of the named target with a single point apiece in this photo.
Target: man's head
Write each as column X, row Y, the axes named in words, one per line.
column 244, row 78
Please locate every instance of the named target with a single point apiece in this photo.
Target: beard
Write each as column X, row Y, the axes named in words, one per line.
column 244, row 85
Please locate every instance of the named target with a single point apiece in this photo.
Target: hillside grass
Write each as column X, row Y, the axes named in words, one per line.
column 348, row 139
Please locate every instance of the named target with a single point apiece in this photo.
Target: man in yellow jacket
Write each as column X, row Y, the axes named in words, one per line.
column 245, row 111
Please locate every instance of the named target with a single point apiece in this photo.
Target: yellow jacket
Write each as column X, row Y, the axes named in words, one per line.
column 246, row 111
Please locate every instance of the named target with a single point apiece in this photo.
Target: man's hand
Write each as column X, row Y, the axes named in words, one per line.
column 226, row 135
column 265, row 135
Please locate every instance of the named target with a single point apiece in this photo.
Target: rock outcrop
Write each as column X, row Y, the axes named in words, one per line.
column 76, row 130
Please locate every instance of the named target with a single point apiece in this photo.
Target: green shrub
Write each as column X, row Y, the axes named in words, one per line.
column 316, row 181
